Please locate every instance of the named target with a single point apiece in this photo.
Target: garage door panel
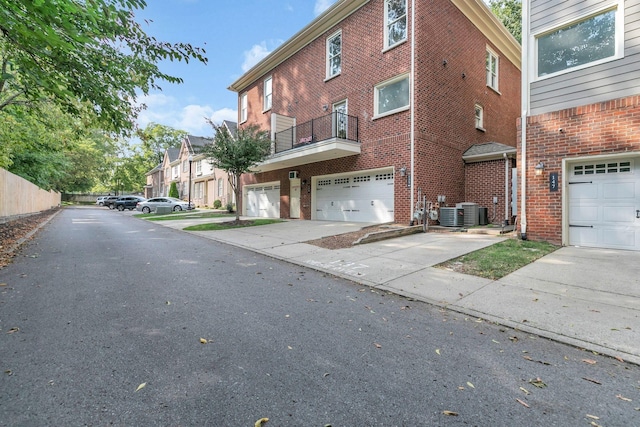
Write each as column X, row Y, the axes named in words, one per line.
column 624, row 190
column 263, row 201
column 623, row 238
column 618, row 213
column 349, row 197
column 603, row 204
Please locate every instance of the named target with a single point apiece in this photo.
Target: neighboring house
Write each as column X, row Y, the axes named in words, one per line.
column 580, row 151
column 155, row 182
column 171, row 168
column 370, row 108
column 207, row 183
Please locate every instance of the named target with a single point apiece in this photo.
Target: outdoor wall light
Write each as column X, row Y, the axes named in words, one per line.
column 539, row 168
column 403, row 171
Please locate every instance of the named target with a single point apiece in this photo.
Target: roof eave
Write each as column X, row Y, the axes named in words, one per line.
column 497, row 155
column 332, row 16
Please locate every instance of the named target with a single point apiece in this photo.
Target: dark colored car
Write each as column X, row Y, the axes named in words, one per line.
column 127, row 202
column 109, row 200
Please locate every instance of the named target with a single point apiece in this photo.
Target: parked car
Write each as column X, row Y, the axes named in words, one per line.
column 99, row 200
column 150, row 205
column 108, row 201
column 127, row 202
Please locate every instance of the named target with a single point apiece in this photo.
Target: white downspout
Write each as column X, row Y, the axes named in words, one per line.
column 523, row 123
column 413, row 103
column 506, row 186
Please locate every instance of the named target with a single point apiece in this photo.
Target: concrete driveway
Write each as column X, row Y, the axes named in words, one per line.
column 585, row 297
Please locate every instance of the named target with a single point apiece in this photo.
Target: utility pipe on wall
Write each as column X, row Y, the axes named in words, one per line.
column 412, row 96
column 524, row 94
column 506, row 186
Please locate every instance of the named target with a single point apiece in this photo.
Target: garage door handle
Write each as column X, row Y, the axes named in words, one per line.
column 581, row 182
column 581, row 226
column 638, row 213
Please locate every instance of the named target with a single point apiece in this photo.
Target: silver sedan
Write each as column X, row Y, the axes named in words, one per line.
column 150, row 205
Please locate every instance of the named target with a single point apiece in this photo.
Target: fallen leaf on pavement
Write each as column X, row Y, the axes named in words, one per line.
column 593, row 417
column 522, row 403
column 261, row 421
column 524, row 390
column 437, row 351
column 3, row 284
column 203, row 341
column 619, row 359
column 141, row 386
column 538, row 383
column 594, row 424
column 12, row 330
column 589, row 361
column 377, row 345
column 450, row 413
column 621, row 397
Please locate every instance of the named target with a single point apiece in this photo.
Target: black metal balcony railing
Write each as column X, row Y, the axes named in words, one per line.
column 335, row 125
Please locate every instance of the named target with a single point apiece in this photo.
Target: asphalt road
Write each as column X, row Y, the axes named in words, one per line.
column 101, row 303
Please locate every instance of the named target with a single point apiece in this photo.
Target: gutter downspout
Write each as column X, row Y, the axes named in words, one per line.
column 524, row 94
column 413, row 103
column 506, row 188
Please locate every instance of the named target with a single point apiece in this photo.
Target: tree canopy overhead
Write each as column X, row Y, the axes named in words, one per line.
column 82, row 51
column 509, row 12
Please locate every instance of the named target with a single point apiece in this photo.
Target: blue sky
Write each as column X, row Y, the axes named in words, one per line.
column 235, row 34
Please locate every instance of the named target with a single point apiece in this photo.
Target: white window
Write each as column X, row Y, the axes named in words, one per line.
column 334, row 55
column 391, row 96
column 176, row 171
column 268, row 90
column 220, row 188
column 492, row 70
column 589, row 40
column 199, row 167
column 185, row 166
column 395, row 17
column 479, row 117
column 243, row 108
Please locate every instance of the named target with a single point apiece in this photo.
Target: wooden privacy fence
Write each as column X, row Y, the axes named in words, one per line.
column 21, row 197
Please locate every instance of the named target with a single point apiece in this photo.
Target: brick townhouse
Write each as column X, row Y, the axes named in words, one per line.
column 372, row 108
column 580, row 149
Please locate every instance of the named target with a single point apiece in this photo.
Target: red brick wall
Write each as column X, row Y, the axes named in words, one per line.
column 602, row 128
column 445, row 100
column 484, row 181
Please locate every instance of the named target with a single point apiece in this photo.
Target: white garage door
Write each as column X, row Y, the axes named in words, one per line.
column 604, row 203
column 360, row 197
column 263, row 201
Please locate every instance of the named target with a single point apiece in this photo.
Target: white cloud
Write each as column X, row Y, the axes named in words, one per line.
column 191, row 118
column 254, row 55
column 322, row 5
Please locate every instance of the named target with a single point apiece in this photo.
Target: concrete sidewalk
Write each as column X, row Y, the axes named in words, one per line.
column 585, row 297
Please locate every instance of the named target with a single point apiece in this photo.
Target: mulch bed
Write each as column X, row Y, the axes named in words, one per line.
column 13, row 232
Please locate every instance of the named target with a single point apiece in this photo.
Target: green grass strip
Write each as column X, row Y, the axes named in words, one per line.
column 212, row 226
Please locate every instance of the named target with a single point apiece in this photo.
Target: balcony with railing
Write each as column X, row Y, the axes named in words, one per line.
column 324, row 138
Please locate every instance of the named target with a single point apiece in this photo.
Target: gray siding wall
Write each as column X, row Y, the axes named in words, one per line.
column 611, row 80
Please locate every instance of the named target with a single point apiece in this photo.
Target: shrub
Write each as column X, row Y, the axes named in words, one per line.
column 217, row 204
column 229, row 207
column 173, row 190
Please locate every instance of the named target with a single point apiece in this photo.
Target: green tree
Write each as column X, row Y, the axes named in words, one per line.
column 173, row 190
column 237, row 154
column 157, row 138
column 72, row 51
column 509, row 12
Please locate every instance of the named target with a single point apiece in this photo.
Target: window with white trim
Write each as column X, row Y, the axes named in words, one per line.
column 603, row 168
column 243, row 107
column 493, row 66
column 334, row 54
column 395, row 18
column 220, row 188
column 268, row 92
column 391, row 96
column 591, row 39
column 199, row 167
column 479, row 117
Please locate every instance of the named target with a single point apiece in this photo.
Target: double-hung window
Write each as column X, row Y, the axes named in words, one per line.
column 268, row 92
column 479, row 117
column 391, row 96
column 334, row 54
column 492, row 65
column 395, row 17
column 589, row 40
column 243, row 108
